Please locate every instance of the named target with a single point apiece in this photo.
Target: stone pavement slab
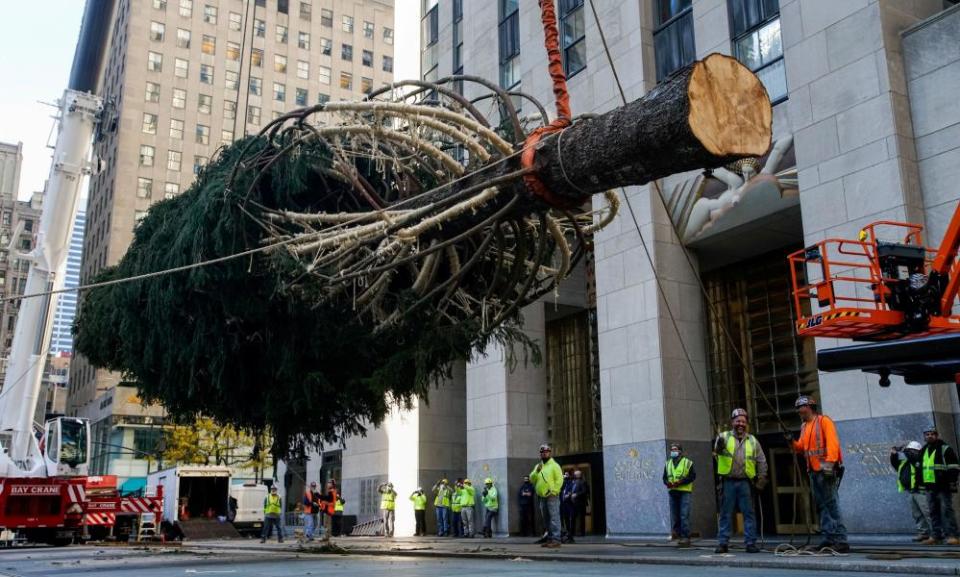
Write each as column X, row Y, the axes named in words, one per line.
column 875, row 558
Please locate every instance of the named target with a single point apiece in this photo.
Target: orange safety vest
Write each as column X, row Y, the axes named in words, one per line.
column 329, row 507
column 819, row 442
column 308, row 502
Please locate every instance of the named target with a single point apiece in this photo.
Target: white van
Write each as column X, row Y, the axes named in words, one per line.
column 248, row 500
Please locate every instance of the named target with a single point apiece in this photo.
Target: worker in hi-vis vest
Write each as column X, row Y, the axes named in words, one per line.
column 741, row 465
column 388, row 506
column 419, row 512
column 678, row 476
column 272, row 515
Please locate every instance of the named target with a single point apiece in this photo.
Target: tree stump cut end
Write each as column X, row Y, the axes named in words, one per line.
column 730, row 111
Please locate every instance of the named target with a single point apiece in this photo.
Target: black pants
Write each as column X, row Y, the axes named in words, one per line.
column 568, row 514
column 337, row 524
column 527, row 528
column 421, row 518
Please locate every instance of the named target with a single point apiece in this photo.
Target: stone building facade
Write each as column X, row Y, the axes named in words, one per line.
column 865, row 129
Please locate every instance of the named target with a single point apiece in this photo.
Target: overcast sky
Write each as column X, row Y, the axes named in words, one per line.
column 37, row 39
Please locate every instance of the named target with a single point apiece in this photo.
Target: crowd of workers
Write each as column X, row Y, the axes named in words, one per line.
column 927, row 473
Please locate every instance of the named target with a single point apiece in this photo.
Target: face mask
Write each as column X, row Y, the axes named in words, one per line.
column 674, row 454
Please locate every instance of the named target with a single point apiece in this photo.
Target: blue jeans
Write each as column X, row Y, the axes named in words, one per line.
column 457, row 525
column 828, row 506
column 269, row 522
column 737, row 496
column 550, row 511
column 680, row 513
column 943, row 521
column 309, row 522
column 443, row 521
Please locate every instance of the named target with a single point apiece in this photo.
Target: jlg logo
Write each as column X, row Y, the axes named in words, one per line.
column 814, row 322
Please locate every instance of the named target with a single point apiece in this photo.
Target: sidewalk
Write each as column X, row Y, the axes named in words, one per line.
column 866, row 558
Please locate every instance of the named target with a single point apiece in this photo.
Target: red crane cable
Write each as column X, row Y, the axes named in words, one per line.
column 551, row 40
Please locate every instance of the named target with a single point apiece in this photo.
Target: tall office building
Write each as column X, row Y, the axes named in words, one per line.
column 61, row 341
column 865, row 129
column 184, row 77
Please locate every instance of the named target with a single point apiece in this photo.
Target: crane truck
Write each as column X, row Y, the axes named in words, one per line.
column 43, row 469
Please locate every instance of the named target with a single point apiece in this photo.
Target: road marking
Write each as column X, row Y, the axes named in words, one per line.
column 206, row 572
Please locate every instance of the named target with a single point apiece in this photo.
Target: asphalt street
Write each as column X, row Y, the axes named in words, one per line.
column 110, row 562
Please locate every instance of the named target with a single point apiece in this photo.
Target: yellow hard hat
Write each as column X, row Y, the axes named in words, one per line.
column 468, row 481
column 488, row 481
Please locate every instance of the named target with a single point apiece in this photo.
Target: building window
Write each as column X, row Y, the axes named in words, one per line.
column 306, row 11
column 346, row 81
column 572, row 36
column 153, row 92
column 282, row 34
column 323, row 98
column 176, row 129
column 388, row 64
column 229, row 110
column 323, row 74
column 209, row 14
column 303, row 69
column 170, row 190
column 203, row 134
column 233, row 51
column 255, row 86
column 509, row 41
column 388, row 35
column 259, row 28
column 253, row 114
column 367, row 29
column 179, row 98
column 226, row 136
column 157, row 31
column 198, row 163
column 457, row 45
column 236, row 21
column 231, row 80
column 283, row 6
column 159, row 4
column 346, row 52
column 430, row 32
column 755, row 29
column 206, row 74
column 174, row 158
column 673, row 37
column 256, row 58
column 186, row 8
column 149, row 124
column 303, row 40
column 181, row 67
column 326, row 17
column 302, row 97
column 209, row 45
column 154, row 62
column 280, row 64
column 366, row 58
column 147, row 153
column 183, row 38
column 347, row 25
column 326, row 46
column 204, row 103
column 144, row 187
column 366, row 85
column 279, row 92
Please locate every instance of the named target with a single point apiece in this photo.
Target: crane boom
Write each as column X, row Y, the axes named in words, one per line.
column 79, row 114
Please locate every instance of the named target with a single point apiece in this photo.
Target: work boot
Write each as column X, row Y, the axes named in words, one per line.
column 825, row 544
column 683, row 543
column 751, row 548
column 842, row 548
column 953, row 541
column 541, row 540
column 552, row 544
column 920, row 538
column 932, row 541
column 721, row 549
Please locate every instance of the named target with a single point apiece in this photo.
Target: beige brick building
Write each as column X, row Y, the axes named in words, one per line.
column 185, row 77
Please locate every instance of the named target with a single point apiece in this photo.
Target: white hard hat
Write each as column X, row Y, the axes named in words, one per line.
column 913, row 445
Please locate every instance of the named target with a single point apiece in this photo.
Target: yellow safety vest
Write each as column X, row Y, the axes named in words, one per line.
column 443, row 497
column 272, row 506
column 725, row 459
column 419, row 502
column 338, row 507
column 388, row 500
column 930, row 467
column 913, row 477
column 675, row 474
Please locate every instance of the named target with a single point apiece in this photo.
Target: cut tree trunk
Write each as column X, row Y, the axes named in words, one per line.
column 708, row 114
